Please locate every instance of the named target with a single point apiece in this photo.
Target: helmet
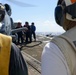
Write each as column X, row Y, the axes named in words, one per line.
column 67, row 7
column 2, row 12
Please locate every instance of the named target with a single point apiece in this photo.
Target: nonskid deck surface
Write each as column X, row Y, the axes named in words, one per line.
column 34, row 66
column 32, row 54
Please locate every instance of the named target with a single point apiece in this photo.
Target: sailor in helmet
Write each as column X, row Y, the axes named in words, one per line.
column 11, row 59
column 59, row 55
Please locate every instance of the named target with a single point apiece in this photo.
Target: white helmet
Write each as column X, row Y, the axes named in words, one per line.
column 72, row 9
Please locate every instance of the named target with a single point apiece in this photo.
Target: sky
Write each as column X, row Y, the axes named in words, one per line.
column 42, row 14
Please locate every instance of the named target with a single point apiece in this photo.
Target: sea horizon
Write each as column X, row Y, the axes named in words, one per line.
column 49, row 33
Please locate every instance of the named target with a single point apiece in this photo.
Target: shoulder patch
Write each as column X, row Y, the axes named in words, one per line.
column 74, row 42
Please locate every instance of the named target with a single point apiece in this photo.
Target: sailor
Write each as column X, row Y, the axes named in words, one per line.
column 59, row 55
column 11, row 59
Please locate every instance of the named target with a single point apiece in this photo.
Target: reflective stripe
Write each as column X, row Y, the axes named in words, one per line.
column 67, row 2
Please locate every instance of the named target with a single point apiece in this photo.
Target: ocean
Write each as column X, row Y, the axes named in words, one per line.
column 49, row 33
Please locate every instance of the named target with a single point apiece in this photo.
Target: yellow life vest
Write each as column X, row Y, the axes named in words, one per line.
column 5, row 48
column 67, row 44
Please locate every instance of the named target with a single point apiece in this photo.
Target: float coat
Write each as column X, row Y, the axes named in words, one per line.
column 67, row 44
column 5, row 47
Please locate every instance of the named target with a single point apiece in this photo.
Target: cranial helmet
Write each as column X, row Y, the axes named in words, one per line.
column 2, row 12
column 67, row 7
